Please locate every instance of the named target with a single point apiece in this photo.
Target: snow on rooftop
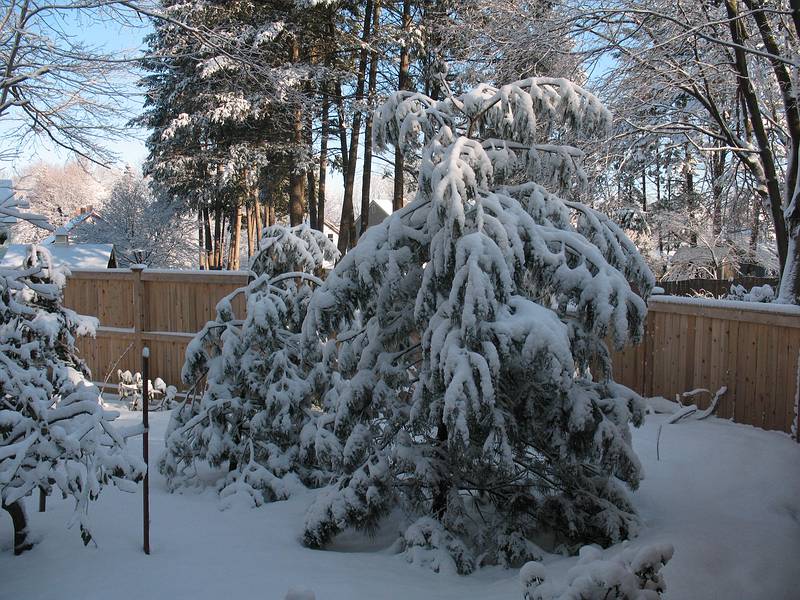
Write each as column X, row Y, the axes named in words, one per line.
column 385, row 204
column 72, row 256
column 70, row 225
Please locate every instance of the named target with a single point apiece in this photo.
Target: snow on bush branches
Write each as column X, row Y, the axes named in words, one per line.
column 54, row 432
column 465, row 373
column 632, row 575
column 259, row 380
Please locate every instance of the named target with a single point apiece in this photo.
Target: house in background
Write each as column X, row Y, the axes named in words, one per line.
column 379, row 209
column 66, row 254
column 63, row 251
column 87, row 215
column 720, row 262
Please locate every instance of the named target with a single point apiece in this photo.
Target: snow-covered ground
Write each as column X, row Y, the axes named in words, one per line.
column 726, row 496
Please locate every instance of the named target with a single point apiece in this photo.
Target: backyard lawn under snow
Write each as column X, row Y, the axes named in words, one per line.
column 726, row 496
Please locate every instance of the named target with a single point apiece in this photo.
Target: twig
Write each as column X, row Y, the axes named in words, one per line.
column 114, row 366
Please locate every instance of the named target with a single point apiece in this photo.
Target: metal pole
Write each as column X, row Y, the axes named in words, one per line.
column 145, row 447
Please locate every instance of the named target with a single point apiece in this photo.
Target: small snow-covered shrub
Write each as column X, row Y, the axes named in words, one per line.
column 758, row 293
column 260, row 385
column 632, row 575
column 427, row 543
column 298, row 593
column 465, row 339
column 54, row 431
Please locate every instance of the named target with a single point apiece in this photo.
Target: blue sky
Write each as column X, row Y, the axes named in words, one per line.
column 109, row 37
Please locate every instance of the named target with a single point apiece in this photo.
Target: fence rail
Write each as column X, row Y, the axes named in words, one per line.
column 750, row 348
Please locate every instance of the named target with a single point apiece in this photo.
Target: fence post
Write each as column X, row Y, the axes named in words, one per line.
column 146, row 449
column 139, row 308
column 796, row 424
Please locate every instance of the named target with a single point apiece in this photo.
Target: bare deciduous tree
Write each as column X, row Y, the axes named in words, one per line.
column 56, row 87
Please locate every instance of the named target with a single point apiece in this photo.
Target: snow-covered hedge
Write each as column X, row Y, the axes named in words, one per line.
column 758, row 293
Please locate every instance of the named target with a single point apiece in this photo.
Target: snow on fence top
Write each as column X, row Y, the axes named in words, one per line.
column 790, row 310
column 206, row 273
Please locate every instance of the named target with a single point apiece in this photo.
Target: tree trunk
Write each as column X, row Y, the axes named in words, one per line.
column 218, row 237
column 689, row 193
column 644, row 189
column 201, row 258
column 311, row 178
column 272, row 192
column 718, row 160
column 20, row 523
column 346, row 218
column 790, row 273
column 754, row 226
column 366, row 178
column 347, row 230
column 323, row 159
column 784, row 79
column 403, row 84
column 658, row 178
column 257, row 222
column 209, row 243
column 249, row 228
column 296, row 175
column 296, row 200
column 669, row 186
column 340, row 117
column 311, row 197
column 789, row 292
column 765, row 155
column 223, row 264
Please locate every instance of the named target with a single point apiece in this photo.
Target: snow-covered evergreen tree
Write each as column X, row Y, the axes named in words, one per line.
column 259, row 386
column 468, row 376
column 54, row 431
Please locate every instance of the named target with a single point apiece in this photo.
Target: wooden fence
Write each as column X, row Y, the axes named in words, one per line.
column 159, row 309
column 750, row 348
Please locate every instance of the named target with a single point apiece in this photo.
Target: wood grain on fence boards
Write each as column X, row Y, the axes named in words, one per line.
column 171, row 305
column 752, row 349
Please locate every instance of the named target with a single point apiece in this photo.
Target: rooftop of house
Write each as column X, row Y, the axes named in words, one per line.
column 87, row 214
column 64, row 253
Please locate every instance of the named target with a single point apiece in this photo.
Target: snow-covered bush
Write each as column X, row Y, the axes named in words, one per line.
column 632, row 575
column 54, row 432
column 758, row 293
column 466, row 372
column 259, row 382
